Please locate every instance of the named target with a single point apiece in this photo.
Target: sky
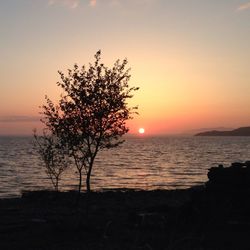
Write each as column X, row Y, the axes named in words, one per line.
column 190, row 58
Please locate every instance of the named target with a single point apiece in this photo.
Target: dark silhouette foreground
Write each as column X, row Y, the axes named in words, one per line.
column 207, row 217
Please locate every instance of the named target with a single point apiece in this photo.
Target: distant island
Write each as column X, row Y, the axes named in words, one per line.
column 243, row 131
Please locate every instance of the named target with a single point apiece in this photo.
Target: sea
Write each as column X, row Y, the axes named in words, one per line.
column 148, row 163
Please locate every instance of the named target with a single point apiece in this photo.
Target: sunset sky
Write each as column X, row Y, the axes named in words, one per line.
column 190, row 58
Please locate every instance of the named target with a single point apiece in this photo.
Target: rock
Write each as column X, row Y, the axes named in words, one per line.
column 247, row 163
column 235, row 176
column 237, row 164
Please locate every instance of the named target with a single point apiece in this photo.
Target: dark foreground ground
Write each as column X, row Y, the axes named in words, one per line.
column 197, row 218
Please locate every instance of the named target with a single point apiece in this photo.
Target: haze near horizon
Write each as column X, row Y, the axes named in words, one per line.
column 189, row 58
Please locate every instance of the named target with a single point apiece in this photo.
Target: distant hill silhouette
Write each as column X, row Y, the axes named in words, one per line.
column 243, row 131
column 200, row 130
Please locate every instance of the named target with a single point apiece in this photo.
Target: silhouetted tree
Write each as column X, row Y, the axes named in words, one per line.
column 92, row 112
column 54, row 155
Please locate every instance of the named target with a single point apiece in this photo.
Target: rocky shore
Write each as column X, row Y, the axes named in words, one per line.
column 205, row 217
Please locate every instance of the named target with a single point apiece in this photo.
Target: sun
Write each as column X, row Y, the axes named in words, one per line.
column 141, row 130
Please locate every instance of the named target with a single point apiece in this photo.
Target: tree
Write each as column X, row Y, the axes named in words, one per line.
column 53, row 154
column 92, row 112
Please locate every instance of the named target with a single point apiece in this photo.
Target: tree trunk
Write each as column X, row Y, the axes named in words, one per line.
column 88, row 182
column 56, row 185
column 88, row 178
column 80, row 181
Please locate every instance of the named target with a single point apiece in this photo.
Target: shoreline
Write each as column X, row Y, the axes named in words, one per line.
column 194, row 218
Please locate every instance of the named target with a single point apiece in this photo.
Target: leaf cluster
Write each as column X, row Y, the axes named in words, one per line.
column 53, row 154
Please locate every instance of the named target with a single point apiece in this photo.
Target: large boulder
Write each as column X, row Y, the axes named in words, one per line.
column 235, row 176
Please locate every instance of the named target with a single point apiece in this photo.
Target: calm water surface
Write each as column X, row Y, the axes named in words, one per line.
column 145, row 163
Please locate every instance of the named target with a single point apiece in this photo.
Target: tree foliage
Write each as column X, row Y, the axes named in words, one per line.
column 54, row 156
column 92, row 112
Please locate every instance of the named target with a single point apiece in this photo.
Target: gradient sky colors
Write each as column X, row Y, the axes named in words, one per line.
column 190, row 58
